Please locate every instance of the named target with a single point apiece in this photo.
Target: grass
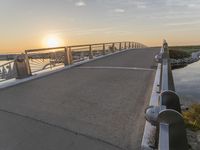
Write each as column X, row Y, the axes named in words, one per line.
column 192, row 117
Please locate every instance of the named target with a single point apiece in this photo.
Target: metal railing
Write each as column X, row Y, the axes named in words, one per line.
column 47, row 58
column 8, row 71
column 171, row 133
column 41, row 59
column 37, row 60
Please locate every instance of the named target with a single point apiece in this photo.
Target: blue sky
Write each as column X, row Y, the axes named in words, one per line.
column 27, row 23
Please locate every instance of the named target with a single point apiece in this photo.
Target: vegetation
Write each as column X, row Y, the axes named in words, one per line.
column 187, row 49
column 192, row 117
column 178, row 54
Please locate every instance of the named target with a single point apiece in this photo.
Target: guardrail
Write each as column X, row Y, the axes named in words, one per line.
column 8, row 71
column 36, row 60
column 170, row 127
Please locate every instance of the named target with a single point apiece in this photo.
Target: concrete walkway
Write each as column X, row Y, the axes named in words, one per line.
column 96, row 106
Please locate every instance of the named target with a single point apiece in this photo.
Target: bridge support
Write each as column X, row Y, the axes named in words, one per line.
column 172, row 131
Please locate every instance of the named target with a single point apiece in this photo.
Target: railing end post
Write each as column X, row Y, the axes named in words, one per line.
column 22, row 66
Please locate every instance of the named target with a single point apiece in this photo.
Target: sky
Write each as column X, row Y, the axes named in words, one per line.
column 29, row 24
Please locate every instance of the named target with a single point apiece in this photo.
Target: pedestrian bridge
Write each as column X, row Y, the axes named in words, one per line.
column 94, row 105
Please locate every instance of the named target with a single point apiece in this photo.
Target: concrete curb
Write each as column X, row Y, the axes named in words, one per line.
column 149, row 130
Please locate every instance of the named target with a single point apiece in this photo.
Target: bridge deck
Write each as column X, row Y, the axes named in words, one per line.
column 98, row 105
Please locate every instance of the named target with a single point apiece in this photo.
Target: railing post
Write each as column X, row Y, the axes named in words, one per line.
column 70, row 55
column 125, row 47
column 22, row 66
column 27, row 63
column 172, row 134
column 120, row 46
column 67, row 57
column 104, row 49
column 90, row 52
column 113, row 47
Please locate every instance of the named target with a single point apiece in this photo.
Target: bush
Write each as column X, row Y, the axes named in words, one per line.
column 192, row 117
column 177, row 54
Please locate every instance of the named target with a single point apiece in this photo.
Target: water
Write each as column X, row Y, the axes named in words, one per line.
column 3, row 62
column 187, row 83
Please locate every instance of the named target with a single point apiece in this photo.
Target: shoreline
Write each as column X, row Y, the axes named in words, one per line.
column 183, row 62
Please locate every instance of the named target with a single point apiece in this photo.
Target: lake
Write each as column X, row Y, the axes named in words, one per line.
column 187, row 83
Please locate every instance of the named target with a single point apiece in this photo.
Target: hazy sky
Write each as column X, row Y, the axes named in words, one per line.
column 31, row 23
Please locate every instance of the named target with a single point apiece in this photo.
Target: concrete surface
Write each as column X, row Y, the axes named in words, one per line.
column 81, row 108
column 23, row 133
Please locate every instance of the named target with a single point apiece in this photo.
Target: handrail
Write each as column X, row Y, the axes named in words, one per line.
column 8, row 71
column 83, row 45
column 43, row 49
column 36, row 60
column 170, row 119
column 7, row 63
column 167, row 77
column 73, row 53
column 171, row 133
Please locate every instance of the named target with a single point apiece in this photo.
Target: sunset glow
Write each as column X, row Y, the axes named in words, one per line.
column 52, row 41
column 26, row 23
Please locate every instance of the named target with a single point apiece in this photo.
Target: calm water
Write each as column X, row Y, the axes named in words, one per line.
column 187, row 82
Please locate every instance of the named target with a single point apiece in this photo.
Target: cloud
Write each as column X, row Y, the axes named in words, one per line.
column 119, row 10
column 83, row 31
column 183, row 3
column 141, row 6
column 127, row 3
column 193, row 6
column 183, row 23
column 80, row 3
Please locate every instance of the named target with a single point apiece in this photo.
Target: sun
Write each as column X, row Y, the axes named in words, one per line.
column 52, row 41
